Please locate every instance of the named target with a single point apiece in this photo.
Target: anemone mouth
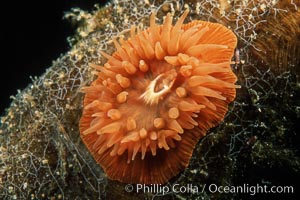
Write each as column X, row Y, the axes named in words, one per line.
column 159, row 87
column 156, row 96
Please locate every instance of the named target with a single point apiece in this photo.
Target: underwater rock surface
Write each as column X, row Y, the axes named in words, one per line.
column 43, row 157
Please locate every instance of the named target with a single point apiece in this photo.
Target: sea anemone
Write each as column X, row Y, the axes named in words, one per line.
column 156, row 96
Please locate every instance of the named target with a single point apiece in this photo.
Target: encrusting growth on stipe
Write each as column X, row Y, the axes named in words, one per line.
column 156, row 96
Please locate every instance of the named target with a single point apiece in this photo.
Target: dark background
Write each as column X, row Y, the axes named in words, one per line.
column 32, row 35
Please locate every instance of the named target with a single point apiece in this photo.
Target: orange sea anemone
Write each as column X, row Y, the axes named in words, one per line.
column 156, row 96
